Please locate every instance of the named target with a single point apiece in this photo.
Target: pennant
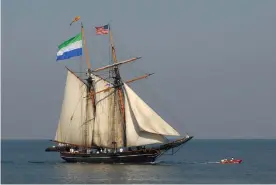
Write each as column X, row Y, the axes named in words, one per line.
column 75, row 20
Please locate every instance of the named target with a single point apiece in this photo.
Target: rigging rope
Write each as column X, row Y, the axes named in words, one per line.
column 77, row 103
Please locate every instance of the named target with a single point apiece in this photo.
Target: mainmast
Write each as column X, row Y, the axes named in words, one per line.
column 116, row 107
column 118, row 85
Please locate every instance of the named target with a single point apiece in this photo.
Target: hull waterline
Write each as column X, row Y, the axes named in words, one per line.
column 126, row 157
column 145, row 156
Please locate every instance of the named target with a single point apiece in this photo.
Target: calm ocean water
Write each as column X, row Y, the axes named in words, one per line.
column 26, row 162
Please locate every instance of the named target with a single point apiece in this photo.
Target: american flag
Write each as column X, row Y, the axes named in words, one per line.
column 102, row 30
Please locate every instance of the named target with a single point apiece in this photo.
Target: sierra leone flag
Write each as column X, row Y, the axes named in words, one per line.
column 70, row 48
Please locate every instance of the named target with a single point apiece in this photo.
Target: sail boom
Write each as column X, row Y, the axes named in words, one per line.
column 127, row 82
column 139, row 78
column 116, row 64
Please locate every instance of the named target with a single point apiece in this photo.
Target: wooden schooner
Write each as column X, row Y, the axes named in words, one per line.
column 104, row 120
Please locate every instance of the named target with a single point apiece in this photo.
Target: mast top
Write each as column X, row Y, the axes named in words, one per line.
column 87, row 58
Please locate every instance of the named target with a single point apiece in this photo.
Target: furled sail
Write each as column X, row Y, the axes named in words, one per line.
column 108, row 119
column 76, row 118
column 143, row 124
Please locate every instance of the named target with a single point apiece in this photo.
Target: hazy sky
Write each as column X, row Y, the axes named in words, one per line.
column 214, row 61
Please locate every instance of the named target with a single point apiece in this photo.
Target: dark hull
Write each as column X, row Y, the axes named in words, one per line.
column 135, row 157
column 124, row 157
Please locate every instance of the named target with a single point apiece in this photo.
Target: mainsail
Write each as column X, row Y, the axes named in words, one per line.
column 76, row 118
column 108, row 119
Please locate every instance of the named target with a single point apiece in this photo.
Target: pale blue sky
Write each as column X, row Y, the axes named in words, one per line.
column 214, row 61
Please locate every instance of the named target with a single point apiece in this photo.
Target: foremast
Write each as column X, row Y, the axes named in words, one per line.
column 90, row 89
column 90, row 86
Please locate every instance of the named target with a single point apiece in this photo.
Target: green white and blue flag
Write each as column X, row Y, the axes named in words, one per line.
column 70, row 48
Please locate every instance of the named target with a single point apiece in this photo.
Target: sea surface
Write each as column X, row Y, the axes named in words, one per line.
column 196, row 162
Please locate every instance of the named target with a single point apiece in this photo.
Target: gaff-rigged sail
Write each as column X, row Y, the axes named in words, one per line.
column 75, row 123
column 108, row 119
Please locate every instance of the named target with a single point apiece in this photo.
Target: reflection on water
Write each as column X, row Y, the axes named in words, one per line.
column 161, row 172
column 109, row 173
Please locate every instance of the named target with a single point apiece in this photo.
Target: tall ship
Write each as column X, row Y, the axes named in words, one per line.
column 102, row 119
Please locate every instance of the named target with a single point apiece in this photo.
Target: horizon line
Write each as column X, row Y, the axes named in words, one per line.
column 193, row 139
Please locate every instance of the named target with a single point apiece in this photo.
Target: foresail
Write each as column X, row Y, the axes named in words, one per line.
column 108, row 119
column 136, row 137
column 75, row 125
column 147, row 119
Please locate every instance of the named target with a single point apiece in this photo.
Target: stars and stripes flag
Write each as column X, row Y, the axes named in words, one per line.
column 102, row 30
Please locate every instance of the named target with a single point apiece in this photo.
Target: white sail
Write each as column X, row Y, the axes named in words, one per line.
column 134, row 135
column 108, row 119
column 75, row 125
column 147, row 119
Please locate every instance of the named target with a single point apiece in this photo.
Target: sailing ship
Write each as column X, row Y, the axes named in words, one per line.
column 103, row 120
